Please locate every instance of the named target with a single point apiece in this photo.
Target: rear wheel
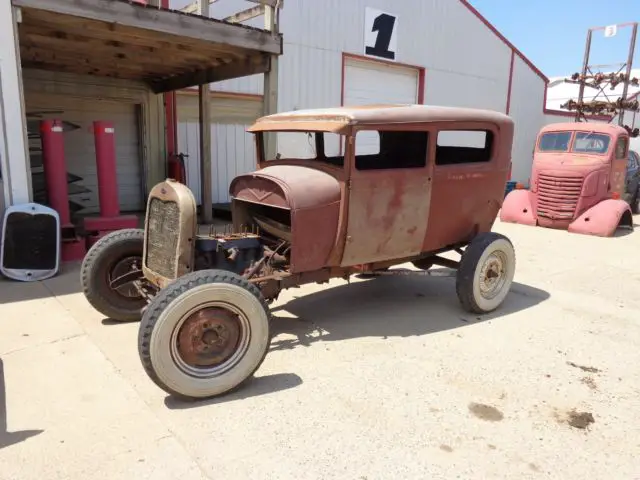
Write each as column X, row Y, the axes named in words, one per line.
column 635, row 202
column 205, row 334
column 486, row 272
column 112, row 257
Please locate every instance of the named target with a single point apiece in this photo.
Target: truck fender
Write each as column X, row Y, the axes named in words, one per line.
column 517, row 208
column 603, row 219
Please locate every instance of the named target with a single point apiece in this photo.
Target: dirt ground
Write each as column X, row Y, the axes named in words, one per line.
column 383, row 378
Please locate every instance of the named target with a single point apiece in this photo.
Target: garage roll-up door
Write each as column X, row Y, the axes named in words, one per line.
column 368, row 82
column 79, row 115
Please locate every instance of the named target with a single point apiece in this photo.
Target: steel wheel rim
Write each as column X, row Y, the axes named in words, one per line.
column 493, row 275
column 216, row 370
column 121, row 267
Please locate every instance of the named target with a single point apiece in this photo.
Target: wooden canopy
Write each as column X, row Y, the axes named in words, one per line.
column 167, row 49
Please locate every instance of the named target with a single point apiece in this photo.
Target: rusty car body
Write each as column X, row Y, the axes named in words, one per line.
column 578, row 181
column 353, row 191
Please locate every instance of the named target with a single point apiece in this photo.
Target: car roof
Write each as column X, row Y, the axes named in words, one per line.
column 596, row 127
column 338, row 117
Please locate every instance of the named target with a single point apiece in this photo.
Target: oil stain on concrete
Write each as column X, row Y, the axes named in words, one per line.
column 485, row 412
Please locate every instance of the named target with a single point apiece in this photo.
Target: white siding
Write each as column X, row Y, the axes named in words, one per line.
column 232, row 148
column 232, row 152
column 527, row 98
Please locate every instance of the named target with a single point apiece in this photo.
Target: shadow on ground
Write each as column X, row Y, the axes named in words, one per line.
column 8, row 438
column 254, row 387
column 392, row 306
column 66, row 282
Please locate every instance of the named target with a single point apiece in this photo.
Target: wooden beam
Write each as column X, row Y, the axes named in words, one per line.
column 270, row 95
column 161, row 21
column 269, row 3
column 240, row 68
column 245, row 15
column 193, row 7
column 170, row 45
column 206, row 172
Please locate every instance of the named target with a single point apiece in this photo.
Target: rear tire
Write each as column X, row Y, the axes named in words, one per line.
column 486, row 273
column 110, row 257
column 205, row 334
column 635, row 202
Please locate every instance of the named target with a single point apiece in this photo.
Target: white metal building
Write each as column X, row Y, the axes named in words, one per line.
column 337, row 52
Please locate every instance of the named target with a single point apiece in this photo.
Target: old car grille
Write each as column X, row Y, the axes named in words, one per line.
column 558, row 196
column 163, row 228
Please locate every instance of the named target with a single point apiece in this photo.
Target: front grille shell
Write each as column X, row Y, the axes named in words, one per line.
column 170, row 230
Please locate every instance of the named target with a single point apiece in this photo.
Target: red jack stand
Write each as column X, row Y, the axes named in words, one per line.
column 55, row 171
column 110, row 218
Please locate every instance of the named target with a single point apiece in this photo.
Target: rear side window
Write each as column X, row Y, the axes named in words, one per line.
column 455, row 147
column 621, row 148
column 386, row 150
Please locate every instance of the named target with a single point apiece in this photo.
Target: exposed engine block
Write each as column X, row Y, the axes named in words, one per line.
column 235, row 253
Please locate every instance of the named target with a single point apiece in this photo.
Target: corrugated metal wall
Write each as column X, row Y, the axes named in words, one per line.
column 232, row 148
column 527, row 98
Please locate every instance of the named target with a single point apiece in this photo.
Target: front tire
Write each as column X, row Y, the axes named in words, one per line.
column 486, row 273
column 110, row 257
column 205, row 334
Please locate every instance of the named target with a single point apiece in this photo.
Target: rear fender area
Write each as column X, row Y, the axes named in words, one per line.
column 517, row 208
column 603, row 219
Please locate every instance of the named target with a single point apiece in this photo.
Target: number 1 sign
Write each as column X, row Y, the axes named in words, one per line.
column 380, row 34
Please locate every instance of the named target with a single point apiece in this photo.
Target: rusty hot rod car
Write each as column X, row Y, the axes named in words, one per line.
column 351, row 190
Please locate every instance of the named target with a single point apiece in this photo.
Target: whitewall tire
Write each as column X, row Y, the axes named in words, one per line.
column 486, row 273
column 205, row 334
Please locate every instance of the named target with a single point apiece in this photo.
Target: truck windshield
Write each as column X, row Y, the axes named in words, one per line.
column 589, row 142
column 321, row 146
column 554, row 142
column 585, row 142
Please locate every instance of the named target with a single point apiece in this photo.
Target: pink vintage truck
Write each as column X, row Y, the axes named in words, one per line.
column 580, row 181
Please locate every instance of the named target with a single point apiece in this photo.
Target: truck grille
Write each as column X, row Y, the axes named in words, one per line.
column 558, row 196
column 163, row 228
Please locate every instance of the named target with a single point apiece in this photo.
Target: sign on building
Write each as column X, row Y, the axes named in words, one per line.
column 380, row 34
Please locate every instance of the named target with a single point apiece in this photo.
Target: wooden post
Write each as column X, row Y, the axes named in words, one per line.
column 204, row 94
column 270, row 97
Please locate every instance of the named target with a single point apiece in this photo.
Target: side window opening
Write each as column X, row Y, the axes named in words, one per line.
column 455, row 147
column 621, row 148
column 383, row 150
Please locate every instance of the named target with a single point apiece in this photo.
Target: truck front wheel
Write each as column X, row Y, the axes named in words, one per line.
column 204, row 334
column 486, row 273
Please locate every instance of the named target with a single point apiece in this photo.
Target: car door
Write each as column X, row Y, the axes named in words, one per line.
column 633, row 174
column 389, row 194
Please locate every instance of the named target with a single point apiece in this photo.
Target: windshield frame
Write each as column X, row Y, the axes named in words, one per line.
column 320, row 157
column 571, row 144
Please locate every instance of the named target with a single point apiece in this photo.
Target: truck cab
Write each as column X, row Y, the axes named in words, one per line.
column 578, row 181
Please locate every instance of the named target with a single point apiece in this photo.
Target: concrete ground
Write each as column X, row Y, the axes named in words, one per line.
column 385, row 378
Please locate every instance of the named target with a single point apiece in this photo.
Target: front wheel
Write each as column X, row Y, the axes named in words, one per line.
column 108, row 271
column 204, row 334
column 486, row 273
